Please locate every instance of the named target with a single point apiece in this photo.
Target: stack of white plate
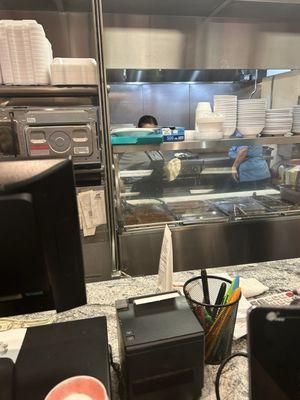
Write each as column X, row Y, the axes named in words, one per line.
column 25, row 53
column 296, row 120
column 278, row 122
column 251, row 116
column 209, row 126
column 227, row 106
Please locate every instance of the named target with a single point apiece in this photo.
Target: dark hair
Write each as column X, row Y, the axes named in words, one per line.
column 147, row 119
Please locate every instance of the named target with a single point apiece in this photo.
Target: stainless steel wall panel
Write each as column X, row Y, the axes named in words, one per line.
column 168, row 102
column 171, row 103
column 125, row 103
column 262, row 10
column 126, row 40
column 70, row 33
column 174, row 41
column 49, row 5
column 156, row 41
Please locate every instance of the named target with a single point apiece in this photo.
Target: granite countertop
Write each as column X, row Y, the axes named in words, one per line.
column 282, row 275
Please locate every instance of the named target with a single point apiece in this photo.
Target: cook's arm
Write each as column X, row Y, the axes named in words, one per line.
column 241, row 156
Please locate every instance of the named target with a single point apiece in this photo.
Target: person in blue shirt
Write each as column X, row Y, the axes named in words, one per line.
column 250, row 170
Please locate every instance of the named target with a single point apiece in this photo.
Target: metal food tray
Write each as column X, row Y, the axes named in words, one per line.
column 277, row 205
column 243, row 208
column 144, row 214
column 195, row 211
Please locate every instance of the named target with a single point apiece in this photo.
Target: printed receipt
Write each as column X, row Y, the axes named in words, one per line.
column 11, row 342
column 165, row 271
column 91, row 207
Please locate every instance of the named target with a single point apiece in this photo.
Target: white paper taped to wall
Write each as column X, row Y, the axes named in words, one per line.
column 86, row 207
column 11, row 343
column 165, row 271
column 98, row 207
column 91, row 208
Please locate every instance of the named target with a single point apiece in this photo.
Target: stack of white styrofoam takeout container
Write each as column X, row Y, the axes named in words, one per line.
column 74, row 71
column 251, row 116
column 208, row 124
column 296, row 120
column 278, row 122
column 25, row 53
column 227, row 106
column 203, row 107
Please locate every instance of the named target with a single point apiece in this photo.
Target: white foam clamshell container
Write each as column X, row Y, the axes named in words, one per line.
column 73, row 71
column 25, row 53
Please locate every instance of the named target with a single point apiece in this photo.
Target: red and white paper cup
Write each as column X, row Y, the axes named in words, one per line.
column 78, row 388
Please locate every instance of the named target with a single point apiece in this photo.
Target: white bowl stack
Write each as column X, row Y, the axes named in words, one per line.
column 227, row 106
column 209, row 126
column 278, row 122
column 25, row 53
column 251, row 116
column 296, row 120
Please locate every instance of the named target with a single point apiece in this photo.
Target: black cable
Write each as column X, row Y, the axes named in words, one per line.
column 117, row 368
column 220, row 370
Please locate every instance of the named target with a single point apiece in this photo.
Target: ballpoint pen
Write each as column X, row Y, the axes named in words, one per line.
column 205, row 286
column 206, row 292
column 219, row 299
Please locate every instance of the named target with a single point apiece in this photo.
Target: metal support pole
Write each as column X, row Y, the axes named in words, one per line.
column 105, row 124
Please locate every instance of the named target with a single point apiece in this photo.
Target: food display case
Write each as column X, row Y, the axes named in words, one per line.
column 214, row 219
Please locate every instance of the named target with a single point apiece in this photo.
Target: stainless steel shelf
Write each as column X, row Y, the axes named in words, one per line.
column 53, row 91
column 49, row 5
column 206, row 144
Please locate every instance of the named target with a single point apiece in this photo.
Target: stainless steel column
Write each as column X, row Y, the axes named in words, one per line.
column 104, row 112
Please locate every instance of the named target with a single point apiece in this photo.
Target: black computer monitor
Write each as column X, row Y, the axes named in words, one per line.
column 41, row 264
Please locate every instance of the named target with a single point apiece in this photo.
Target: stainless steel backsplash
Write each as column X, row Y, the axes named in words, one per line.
column 173, row 104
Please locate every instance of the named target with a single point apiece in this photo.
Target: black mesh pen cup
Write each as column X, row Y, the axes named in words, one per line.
column 217, row 320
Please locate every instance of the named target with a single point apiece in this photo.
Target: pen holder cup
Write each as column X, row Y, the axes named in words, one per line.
column 218, row 321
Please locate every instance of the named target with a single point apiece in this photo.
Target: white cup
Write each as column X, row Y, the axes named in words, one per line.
column 78, row 388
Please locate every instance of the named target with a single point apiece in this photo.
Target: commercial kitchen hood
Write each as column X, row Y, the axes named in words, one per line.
column 246, row 9
column 231, row 35
column 182, row 75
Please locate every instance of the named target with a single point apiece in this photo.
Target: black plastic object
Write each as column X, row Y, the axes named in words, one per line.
column 6, row 379
column 161, row 348
column 41, row 256
column 53, row 353
column 274, row 353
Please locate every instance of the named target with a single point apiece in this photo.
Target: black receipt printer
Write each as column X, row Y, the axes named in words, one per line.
column 161, row 345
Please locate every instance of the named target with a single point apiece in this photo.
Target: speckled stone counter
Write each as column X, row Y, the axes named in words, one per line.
column 276, row 275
